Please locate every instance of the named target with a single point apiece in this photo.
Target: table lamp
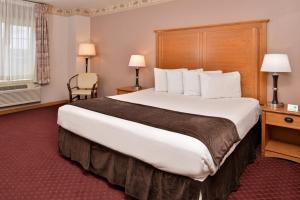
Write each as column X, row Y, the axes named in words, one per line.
column 276, row 63
column 86, row 50
column 137, row 61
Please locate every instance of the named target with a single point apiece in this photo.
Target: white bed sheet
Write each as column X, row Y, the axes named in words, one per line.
column 165, row 150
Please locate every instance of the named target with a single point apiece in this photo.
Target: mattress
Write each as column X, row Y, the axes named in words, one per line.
column 168, row 151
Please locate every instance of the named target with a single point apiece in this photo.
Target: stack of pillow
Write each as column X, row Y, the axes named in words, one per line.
column 208, row 84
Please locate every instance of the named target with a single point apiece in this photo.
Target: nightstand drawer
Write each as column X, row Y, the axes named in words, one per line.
column 289, row 121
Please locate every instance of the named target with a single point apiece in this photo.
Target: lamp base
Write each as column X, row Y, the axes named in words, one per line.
column 137, row 87
column 277, row 105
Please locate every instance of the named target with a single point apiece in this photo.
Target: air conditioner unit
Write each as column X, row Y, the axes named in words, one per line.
column 19, row 94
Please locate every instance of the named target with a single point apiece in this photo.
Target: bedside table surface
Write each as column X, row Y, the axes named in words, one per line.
column 129, row 89
column 282, row 110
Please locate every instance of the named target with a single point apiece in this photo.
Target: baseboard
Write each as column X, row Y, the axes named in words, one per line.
column 21, row 108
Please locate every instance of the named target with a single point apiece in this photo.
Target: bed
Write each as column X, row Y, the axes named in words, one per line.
column 155, row 163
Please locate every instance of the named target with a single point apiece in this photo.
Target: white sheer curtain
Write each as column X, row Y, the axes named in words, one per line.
column 17, row 40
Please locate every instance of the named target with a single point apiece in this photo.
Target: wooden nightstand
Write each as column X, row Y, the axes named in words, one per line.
column 281, row 133
column 129, row 89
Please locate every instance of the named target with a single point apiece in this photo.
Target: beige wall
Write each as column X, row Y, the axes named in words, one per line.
column 119, row 35
column 79, row 32
column 65, row 33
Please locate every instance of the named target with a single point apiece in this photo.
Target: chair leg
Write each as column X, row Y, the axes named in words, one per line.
column 94, row 95
column 70, row 98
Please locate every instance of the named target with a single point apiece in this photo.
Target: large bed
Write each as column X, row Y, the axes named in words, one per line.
column 154, row 163
column 161, row 148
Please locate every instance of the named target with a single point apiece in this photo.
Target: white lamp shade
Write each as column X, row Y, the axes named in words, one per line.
column 276, row 63
column 137, row 61
column 87, row 50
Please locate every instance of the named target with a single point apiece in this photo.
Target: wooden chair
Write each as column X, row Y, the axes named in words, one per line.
column 85, row 85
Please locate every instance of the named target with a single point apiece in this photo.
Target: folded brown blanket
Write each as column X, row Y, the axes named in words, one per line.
column 218, row 134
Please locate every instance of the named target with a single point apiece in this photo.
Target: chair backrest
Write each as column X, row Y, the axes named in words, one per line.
column 86, row 80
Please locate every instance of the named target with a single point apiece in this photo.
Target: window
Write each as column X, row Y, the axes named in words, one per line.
column 17, row 41
column 2, row 30
column 20, row 37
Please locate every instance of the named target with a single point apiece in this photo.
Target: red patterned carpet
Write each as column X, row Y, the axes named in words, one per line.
column 31, row 168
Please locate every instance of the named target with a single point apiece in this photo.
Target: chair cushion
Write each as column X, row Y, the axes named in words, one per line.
column 81, row 92
column 86, row 80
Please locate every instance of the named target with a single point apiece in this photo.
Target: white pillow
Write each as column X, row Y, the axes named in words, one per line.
column 196, row 70
column 227, row 85
column 214, row 72
column 191, row 82
column 175, row 81
column 160, row 79
column 210, row 73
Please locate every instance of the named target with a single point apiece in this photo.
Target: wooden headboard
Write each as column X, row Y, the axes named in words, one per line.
column 229, row 47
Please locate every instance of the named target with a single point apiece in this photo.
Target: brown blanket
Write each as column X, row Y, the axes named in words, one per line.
column 218, row 134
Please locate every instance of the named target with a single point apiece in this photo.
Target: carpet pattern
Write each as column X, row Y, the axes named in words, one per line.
column 32, row 169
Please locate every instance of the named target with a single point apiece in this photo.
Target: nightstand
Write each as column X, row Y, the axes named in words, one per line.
column 126, row 90
column 280, row 133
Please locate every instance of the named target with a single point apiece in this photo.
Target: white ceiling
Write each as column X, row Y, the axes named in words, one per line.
column 71, row 4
